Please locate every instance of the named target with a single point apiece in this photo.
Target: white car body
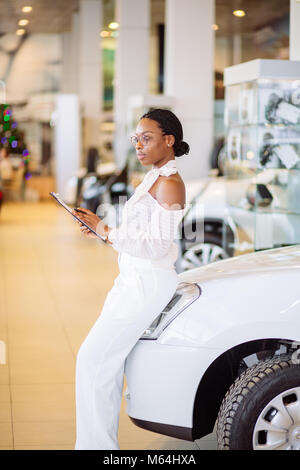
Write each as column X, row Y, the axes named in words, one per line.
column 175, row 382
column 210, row 193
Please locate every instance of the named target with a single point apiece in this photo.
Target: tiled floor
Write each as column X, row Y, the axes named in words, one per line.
column 53, row 283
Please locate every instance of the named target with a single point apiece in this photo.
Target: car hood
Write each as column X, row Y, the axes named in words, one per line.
column 287, row 258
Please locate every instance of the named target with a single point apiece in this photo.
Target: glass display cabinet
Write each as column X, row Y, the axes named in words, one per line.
column 262, row 167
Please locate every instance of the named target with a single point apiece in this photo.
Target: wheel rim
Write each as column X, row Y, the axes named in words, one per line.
column 201, row 254
column 278, row 425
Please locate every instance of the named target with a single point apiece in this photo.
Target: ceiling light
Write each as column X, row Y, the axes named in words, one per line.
column 27, row 9
column 23, row 22
column 215, row 27
column 239, row 13
column 20, row 32
column 104, row 34
column 113, row 25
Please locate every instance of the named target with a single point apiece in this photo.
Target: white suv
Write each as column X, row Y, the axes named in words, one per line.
column 225, row 350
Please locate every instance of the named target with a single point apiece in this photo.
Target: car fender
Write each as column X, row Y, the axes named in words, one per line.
column 231, row 310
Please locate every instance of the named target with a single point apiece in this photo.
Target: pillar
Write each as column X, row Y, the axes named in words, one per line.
column 189, row 78
column 70, row 61
column 236, row 49
column 89, row 71
column 131, row 66
column 67, row 141
column 294, row 30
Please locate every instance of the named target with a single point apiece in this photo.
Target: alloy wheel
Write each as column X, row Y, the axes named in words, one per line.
column 201, row 254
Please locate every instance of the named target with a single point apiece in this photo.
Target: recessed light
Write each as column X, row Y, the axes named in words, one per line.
column 20, row 32
column 113, row 25
column 23, row 22
column 27, row 9
column 239, row 13
column 215, row 27
column 104, row 34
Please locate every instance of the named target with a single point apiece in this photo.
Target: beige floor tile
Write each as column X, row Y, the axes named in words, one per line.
column 49, row 411
column 4, row 374
column 41, row 367
column 43, row 393
column 158, row 444
column 5, row 413
column 172, row 445
column 32, row 374
column 6, row 437
column 3, row 328
column 4, row 394
column 6, row 448
column 44, row 433
column 39, row 351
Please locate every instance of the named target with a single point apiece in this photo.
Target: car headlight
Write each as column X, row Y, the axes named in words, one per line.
column 185, row 294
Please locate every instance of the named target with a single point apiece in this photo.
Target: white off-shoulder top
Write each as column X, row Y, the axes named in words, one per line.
column 148, row 229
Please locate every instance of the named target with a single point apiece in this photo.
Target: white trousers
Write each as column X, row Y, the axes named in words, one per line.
column 139, row 294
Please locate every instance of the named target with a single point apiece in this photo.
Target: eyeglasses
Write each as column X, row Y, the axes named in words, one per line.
column 144, row 139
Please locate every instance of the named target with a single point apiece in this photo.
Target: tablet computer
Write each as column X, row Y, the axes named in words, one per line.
column 69, row 209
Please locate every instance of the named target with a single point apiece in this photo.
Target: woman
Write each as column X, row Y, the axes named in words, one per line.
column 146, row 283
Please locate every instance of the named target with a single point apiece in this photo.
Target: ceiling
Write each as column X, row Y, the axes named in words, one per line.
column 259, row 14
column 46, row 16
column 55, row 16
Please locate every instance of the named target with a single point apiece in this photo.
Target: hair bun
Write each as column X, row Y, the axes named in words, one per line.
column 182, row 148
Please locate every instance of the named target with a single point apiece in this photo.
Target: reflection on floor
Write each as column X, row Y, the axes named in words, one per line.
column 52, row 289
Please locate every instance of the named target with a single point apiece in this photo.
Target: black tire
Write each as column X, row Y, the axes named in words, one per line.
column 207, row 238
column 193, row 234
column 247, row 398
column 214, row 159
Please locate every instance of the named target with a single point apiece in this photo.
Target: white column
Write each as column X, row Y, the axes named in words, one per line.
column 294, row 30
column 89, row 72
column 67, row 141
column 189, row 78
column 237, row 48
column 131, row 67
column 70, row 62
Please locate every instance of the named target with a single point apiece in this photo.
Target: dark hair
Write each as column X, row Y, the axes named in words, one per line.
column 170, row 125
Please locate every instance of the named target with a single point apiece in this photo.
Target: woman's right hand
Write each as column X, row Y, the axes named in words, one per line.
column 84, row 230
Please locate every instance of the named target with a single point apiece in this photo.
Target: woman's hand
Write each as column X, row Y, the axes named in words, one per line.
column 92, row 220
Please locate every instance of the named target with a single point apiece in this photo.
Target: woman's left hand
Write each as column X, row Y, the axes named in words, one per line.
column 91, row 219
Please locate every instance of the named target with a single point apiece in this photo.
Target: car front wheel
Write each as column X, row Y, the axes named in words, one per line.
column 261, row 410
